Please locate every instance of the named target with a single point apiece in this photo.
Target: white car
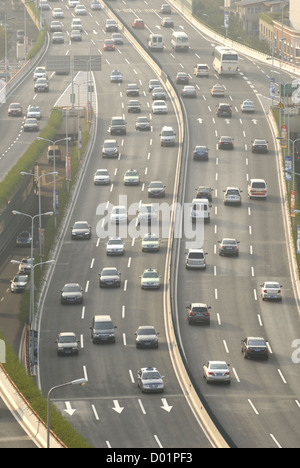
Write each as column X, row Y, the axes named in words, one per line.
column 248, row 106
column 73, row 3
column 271, row 290
column 159, row 107
column 80, row 10
column 18, row 283
column 217, row 371
column 115, row 246
column 76, row 24
column 118, row 215
column 34, row 112
column 101, row 177
column 131, row 177
column 25, row 266
column 39, row 72
column 57, row 13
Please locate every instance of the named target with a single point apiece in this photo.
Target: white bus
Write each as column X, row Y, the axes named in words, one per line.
column 180, row 41
column 226, row 61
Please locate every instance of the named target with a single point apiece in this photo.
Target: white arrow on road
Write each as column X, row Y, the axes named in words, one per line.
column 254, row 121
column 200, row 120
column 69, row 409
column 166, row 406
column 117, row 408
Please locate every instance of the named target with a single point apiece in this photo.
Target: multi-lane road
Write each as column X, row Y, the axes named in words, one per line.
column 260, row 408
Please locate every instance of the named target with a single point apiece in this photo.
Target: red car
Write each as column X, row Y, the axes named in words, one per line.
column 138, row 23
column 109, row 45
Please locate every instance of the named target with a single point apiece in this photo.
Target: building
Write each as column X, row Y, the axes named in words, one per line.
column 287, row 34
column 248, row 13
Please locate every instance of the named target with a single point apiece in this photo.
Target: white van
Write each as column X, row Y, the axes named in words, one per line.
column 200, row 209
column 167, row 136
column 180, row 41
column 156, row 42
column 257, row 188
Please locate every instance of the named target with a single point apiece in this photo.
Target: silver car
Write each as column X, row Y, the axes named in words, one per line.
column 217, row 371
column 232, row 196
column 67, row 343
column 115, row 246
column 271, row 290
column 101, row 177
column 110, row 149
column 150, row 380
column 229, row 247
column 71, row 293
column 18, row 283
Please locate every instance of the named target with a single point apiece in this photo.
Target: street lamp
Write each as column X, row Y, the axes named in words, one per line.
column 40, row 204
column 73, row 382
column 54, row 167
column 48, row 213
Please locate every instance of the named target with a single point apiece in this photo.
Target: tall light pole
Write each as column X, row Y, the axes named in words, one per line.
column 40, row 203
column 54, row 171
column 73, row 382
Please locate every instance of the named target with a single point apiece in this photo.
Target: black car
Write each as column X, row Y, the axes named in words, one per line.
column 200, row 153
column 109, row 278
column 71, row 293
column 204, row 192
column 198, row 313
column 224, row 110
column 103, row 329
column 225, row 142
column 255, row 348
column 81, row 230
column 146, row 337
column 260, row 146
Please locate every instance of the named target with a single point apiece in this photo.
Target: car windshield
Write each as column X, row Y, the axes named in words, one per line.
column 272, row 285
column 115, row 242
column 199, row 309
column 110, row 144
column 71, row 288
column 232, row 192
column 218, row 366
column 256, row 342
column 196, row 255
column 151, row 237
column 228, row 242
column 150, row 274
column 131, row 173
column 151, row 376
column 259, row 185
column 80, row 226
column 146, row 331
column 103, row 326
column 156, row 185
column 109, row 272
column 66, row 339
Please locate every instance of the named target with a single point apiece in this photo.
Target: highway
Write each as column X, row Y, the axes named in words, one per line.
column 260, row 408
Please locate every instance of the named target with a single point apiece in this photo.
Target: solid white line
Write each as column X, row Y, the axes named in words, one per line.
column 124, row 339
column 125, row 285
column 85, row 373
column 81, row 341
column 87, row 286
column 92, row 263
column 83, row 312
column 123, row 311
column 260, row 320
